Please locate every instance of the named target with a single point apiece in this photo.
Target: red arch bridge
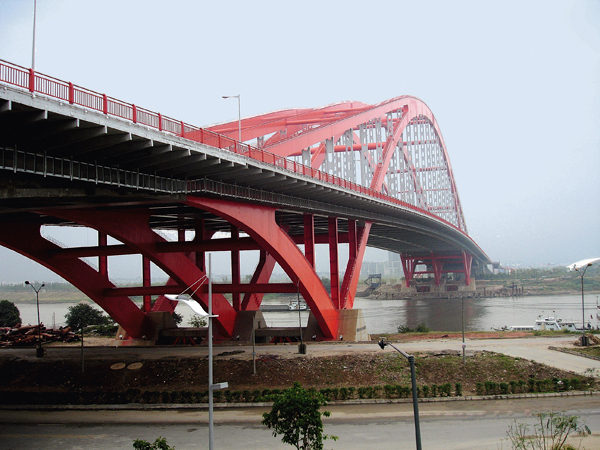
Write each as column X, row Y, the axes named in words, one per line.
column 348, row 174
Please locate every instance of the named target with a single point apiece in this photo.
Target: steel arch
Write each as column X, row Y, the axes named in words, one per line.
column 288, row 132
column 412, row 154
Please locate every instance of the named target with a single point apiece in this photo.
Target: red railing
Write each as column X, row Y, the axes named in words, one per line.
column 76, row 95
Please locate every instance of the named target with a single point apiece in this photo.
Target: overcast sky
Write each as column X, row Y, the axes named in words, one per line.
column 513, row 85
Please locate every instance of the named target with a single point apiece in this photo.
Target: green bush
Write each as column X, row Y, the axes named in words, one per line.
column 343, row 393
column 479, row 388
column 531, row 385
column 446, row 390
column 458, row 389
column 159, row 444
column 389, row 390
column 422, row 328
column 575, row 383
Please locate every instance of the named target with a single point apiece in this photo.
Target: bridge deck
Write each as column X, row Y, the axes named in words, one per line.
column 63, row 136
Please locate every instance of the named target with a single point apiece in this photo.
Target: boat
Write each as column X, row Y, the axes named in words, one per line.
column 294, row 306
column 545, row 323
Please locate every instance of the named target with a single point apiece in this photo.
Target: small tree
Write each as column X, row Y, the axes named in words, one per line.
column 295, row 414
column 550, row 432
column 82, row 315
column 197, row 321
column 159, row 444
column 9, row 314
column 178, row 318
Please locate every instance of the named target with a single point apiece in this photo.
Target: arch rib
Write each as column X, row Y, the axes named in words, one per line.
column 259, row 222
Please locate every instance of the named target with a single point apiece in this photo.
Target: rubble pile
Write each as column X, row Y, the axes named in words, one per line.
column 28, row 336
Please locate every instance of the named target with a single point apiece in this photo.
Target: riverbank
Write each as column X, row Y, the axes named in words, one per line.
column 566, row 285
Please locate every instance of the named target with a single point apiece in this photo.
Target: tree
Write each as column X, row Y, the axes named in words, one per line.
column 159, row 444
column 295, row 414
column 550, row 432
column 82, row 315
column 197, row 321
column 9, row 314
column 177, row 318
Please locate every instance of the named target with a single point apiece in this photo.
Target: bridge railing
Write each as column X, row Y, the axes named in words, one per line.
column 76, row 95
column 24, row 162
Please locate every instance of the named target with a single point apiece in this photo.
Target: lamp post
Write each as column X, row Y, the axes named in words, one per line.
column 413, row 378
column 583, row 337
column 211, row 387
column 302, row 345
column 33, row 39
column 39, row 351
column 239, row 114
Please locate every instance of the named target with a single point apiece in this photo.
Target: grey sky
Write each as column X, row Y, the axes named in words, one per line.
column 513, row 85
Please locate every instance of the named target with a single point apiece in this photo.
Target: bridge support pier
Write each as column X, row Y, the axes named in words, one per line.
column 437, row 265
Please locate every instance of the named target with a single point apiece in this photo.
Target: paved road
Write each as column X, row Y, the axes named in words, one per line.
column 465, row 425
column 452, row 425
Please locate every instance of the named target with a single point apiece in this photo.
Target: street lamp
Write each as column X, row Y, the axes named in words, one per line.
column 239, row 114
column 39, row 351
column 33, row 39
column 583, row 337
column 413, row 378
column 211, row 386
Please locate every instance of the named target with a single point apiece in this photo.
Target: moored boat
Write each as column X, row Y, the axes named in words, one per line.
column 546, row 323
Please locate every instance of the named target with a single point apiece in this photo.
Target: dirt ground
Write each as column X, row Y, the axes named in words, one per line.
column 122, row 370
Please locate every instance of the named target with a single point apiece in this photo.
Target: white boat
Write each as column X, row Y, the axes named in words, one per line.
column 546, row 323
column 293, row 306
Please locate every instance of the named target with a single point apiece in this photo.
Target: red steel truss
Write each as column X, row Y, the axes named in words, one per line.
column 393, row 150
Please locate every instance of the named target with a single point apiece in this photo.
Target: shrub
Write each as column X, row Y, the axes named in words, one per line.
column 458, row 389
column 422, row 328
column 389, row 390
column 197, row 321
column 343, row 393
column 334, row 393
column 549, row 432
column 575, row 383
column 479, row 389
column 434, row 390
column 159, row 444
column 531, row 385
column 446, row 390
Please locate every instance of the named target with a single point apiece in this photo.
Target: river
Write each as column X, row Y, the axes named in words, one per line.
column 384, row 316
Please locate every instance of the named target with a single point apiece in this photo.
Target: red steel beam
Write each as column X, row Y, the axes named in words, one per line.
column 25, row 238
column 133, row 230
column 242, row 288
column 260, row 223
